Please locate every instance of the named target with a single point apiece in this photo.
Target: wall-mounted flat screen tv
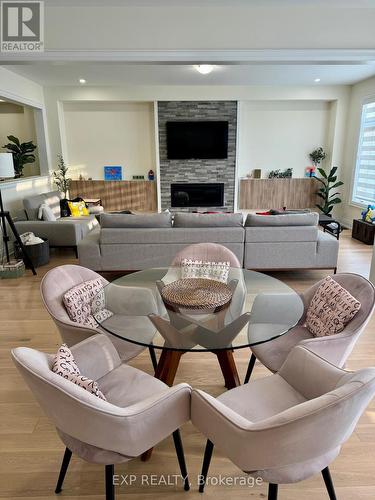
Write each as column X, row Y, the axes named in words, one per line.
column 197, row 139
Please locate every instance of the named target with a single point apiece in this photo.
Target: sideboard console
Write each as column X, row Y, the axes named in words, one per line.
column 118, row 195
column 278, row 193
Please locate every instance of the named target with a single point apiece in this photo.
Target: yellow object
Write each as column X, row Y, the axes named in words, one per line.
column 77, row 208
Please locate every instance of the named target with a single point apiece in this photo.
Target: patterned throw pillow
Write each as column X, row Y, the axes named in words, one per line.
column 65, row 366
column 218, row 271
column 78, row 208
column 331, row 309
column 85, row 303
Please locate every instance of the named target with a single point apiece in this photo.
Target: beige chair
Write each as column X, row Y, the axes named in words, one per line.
column 140, row 410
column 137, row 302
column 213, row 252
column 288, row 426
column 333, row 348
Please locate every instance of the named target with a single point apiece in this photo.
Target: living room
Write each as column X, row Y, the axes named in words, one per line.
column 186, row 191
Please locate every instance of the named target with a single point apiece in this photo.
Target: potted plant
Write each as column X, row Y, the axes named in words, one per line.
column 22, row 153
column 329, row 182
column 62, row 183
column 317, row 156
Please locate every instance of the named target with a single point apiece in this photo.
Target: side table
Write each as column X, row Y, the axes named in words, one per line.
column 330, row 225
column 363, row 231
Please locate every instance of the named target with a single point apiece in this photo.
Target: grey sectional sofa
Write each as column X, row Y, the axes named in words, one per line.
column 135, row 242
column 290, row 241
column 64, row 232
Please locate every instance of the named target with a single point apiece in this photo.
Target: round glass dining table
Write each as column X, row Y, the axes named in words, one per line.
column 162, row 309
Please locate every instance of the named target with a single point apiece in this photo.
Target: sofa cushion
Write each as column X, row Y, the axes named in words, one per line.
column 32, row 204
column 45, row 213
column 64, row 365
column 114, row 236
column 78, row 208
column 273, row 234
column 85, row 303
column 304, row 219
column 218, row 271
column 208, row 220
column 330, row 309
column 135, row 221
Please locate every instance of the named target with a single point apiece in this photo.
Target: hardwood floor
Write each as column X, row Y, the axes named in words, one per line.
column 31, row 452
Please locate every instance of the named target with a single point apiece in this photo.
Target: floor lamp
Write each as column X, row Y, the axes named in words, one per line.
column 7, row 172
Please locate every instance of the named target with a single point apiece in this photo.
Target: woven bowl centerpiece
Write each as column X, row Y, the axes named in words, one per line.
column 196, row 293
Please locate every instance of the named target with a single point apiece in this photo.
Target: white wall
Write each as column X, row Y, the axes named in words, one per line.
column 197, row 25
column 57, row 97
column 24, row 91
column 359, row 93
column 105, row 133
column 19, row 121
column 281, row 134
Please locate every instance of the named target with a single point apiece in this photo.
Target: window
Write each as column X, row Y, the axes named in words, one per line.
column 364, row 180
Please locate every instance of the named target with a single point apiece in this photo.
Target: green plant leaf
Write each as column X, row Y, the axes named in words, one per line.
column 332, row 172
column 329, row 210
column 321, row 196
column 335, row 201
column 14, row 139
column 320, row 207
column 338, row 184
column 322, row 173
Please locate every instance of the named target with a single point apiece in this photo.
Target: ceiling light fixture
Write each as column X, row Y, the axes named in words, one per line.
column 204, row 69
column 82, row 81
column 317, row 80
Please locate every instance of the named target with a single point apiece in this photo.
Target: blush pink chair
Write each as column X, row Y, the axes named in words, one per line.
column 213, row 252
column 333, row 348
column 139, row 302
column 288, row 426
column 140, row 410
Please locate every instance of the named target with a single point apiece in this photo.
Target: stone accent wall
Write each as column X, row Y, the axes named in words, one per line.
column 222, row 170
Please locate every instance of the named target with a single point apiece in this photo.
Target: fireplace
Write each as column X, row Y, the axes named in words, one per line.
column 197, row 194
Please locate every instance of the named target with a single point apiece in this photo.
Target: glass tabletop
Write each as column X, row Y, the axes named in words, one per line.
column 159, row 307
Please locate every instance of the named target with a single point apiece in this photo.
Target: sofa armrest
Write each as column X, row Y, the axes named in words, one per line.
column 61, row 235
column 89, row 251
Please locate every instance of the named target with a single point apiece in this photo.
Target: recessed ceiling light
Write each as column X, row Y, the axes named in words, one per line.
column 204, row 69
column 317, row 80
column 82, row 81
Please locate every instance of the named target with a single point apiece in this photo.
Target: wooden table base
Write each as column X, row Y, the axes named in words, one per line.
column 168, row 365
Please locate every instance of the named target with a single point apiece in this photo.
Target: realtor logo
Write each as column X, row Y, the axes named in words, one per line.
column 22, row 26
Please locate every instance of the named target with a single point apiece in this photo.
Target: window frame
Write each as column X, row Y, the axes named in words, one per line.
column 353, row 201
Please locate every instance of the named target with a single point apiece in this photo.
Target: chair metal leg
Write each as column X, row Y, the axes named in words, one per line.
column 206, row 464
column 181, row 458
column 153, row 357
column 272, row 491
column 63, row 469
column 109, row 486
column 250, row 368
column 329, row 484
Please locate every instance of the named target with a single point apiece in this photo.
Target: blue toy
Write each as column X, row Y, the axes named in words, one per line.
column 368, row 214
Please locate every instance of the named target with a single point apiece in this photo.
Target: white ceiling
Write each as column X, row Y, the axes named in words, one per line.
column 122, row 74
column 215, row 3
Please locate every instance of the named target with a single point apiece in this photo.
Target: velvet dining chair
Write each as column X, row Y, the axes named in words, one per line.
column 334, row 348
column 286, row 427
column 136, row 303
column 139, row 412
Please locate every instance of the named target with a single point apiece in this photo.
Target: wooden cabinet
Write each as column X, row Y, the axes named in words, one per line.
column 277, row 193
column 118, row 195
column 363, row 231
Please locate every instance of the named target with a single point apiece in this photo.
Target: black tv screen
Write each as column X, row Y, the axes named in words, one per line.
column 200, row 140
